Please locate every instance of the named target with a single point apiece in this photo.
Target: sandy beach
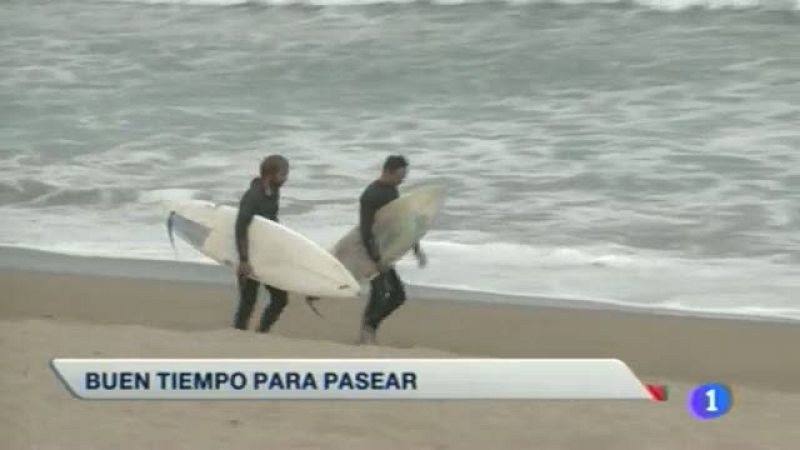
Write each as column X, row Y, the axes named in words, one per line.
column 57, row 306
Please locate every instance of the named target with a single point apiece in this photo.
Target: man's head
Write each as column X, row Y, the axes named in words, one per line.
column 274, row 170
column 394, row 169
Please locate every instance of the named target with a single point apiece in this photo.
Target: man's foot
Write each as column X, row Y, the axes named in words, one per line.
column 367, row 336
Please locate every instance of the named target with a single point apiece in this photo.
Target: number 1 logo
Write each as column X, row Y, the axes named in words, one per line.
column 710, row 400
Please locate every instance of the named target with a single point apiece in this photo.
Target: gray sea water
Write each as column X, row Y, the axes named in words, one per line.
column 642, row 152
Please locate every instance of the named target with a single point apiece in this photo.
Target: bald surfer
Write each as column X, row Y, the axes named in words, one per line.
column 262, row 199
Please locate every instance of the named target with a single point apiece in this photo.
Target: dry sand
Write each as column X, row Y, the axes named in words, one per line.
column 70, row 315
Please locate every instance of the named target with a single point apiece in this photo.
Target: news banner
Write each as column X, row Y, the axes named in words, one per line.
column 371, row 379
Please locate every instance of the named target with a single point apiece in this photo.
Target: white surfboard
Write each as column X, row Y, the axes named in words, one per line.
column 279, row 256
column 398, row 226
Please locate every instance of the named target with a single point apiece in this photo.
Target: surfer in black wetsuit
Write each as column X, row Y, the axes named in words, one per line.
column 387, row 292
column 262, row 199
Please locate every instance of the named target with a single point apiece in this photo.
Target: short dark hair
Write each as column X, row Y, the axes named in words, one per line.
column 394, row 162
column 273, row 164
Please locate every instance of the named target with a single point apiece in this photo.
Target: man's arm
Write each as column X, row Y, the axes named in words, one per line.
column 247, row 209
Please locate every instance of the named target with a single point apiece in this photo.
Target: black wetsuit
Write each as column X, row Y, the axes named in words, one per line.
column 387, row 292
column 255, row 202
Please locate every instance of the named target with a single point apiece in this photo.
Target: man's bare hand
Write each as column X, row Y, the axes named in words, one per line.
column 382, row 268
column 244, row 270
column 422, row 259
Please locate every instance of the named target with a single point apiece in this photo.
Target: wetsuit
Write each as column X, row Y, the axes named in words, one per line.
column 256, row 202
column 387, row 292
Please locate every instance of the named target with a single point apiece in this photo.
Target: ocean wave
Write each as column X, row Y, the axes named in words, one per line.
column 24, row 190
column 468, row 293
column 34, row 193
column 97, row 197
column 660, row 5
column 613, row 274
column 506, row 253
column 612, row 258
column 161, row 196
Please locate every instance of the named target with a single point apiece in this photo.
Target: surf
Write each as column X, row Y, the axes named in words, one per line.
column 657, row 5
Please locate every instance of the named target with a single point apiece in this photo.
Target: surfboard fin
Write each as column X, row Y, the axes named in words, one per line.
column 310, row 300
column 170, row 233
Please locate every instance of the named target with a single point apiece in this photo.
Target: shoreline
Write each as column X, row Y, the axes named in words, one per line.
column 26, row 259
column 677, row 347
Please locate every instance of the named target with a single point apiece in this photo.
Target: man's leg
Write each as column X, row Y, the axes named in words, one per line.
column 397, row 293
column 277, row 301
column 386, row 295
column 372, row 313
column 247, row 299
